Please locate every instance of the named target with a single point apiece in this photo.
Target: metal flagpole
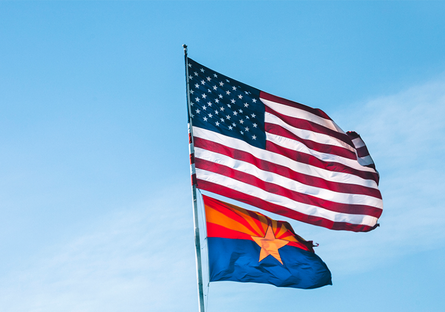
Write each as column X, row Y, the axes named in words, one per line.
column 194, row 197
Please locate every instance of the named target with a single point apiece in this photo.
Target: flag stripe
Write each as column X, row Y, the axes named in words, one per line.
column 363, row 224
column 281, row 200
column 213, row 160
column 206, row 168
column 313, row 111
column 242, row 148
column 310, row 144
column 330, row 162
column 206, row 148
column 311, row 126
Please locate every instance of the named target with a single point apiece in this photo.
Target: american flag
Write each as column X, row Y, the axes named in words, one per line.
column 279, row 155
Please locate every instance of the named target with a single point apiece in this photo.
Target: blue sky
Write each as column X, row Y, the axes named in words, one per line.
column 95, row 197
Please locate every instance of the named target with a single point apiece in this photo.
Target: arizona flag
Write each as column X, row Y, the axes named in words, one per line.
column 246, row 246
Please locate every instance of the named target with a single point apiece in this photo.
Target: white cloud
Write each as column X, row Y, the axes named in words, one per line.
column 405, row 135
column 137, row 259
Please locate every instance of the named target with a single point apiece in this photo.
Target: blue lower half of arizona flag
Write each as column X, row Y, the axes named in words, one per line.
column 237, row 260
column 246, row 246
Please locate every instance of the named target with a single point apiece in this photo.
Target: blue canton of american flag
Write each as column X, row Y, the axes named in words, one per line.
column 224, row 105
column 279, row 155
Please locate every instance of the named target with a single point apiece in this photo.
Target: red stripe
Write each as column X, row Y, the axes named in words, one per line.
column 193, row 179
column 362, row 151
column 215, row 230
column 257, row 202
column 307, row 125
column 322, row 148
column 192, row 158
column 280, row 100
column 314, row 161
column 279, row 190
column 285, row 171
column 231, row 213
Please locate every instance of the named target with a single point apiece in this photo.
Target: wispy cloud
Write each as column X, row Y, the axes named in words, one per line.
column 137, row 259
column 405, row 135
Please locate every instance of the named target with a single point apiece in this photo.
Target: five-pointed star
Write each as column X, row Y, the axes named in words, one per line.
column 270, row 245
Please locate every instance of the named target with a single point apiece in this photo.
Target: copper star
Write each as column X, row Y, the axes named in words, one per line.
column 270, row 245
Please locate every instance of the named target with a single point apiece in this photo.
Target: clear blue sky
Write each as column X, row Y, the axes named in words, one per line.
column 95, row 203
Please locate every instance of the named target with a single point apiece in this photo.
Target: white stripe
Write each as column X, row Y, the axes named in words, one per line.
column 307, row 134
column 339, row 177
column 302, row 114
column 358, row 142
column 284, row 201
column 300, row 147
column 266, row 176
column 364, row 161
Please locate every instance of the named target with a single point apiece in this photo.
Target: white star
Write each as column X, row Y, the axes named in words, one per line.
column 196, row 74
column 210, row 115
column 215, row 88
column 240, row 110
column 254, row 125
column 191, row 103
column 228, row 92
column 208, row 78
column 222, row 108
column 247, row 117
column 191, row 91
column 197, row 99
column 190, row 77
column 241, row 132
column 228, row 105
column 246, row 105
column 202, row 70
column 253, row 115
column 216, row 101
column 234, row 88
column 240, row 96
column 228, row 81
column 222, row 119
column 221, row 83
column 235, row 113
column 215, row 75
column 204, row 107
column 220, row 96
column 204, row 95
column 205, row 118
column 234, row 124
column 228, row 117
column 190, row 65
column 253, row 137
column 230, row 127
column 216, row 112
column 198, row 111
column 241, row 121
column 254, row 100
column 217, row 123
column 203, row 82
column 233, row 101
column 196, row 85
column 247, row 129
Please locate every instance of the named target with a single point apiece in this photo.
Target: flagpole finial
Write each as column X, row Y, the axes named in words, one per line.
column 185, row 49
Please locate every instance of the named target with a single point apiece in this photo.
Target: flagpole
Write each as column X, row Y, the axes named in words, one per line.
column 194, row 197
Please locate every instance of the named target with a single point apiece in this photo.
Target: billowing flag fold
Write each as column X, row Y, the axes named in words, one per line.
column 246, row 246
column 279, row 155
